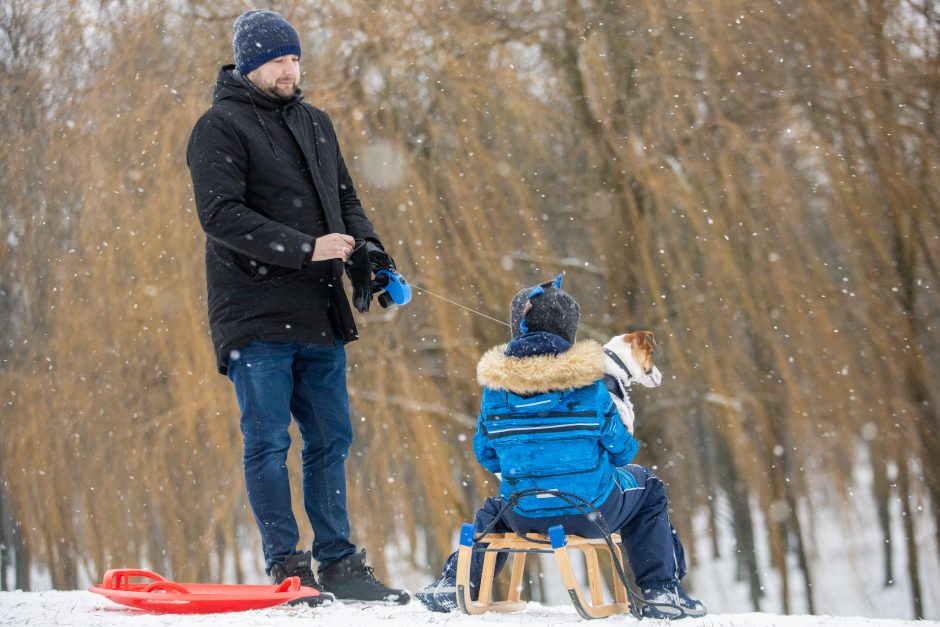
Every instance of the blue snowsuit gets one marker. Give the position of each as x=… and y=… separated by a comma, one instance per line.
x=547, y=421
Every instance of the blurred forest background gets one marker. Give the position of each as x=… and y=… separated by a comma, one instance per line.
x=756, y=182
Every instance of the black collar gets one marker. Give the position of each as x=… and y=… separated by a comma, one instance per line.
x=620, y=363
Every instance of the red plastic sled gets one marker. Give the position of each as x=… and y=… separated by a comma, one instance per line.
x=162, y=595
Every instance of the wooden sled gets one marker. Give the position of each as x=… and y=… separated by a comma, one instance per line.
x=520, y=548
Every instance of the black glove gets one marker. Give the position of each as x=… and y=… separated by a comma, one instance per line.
x=359, y=271
x=365, y=260
x=380, y=259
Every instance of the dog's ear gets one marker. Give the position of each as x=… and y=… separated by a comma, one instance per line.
x=644, y=340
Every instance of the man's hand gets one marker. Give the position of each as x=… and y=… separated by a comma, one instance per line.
x=359, y=270
x=333, y=246
x=380, y=259
x=366, y=259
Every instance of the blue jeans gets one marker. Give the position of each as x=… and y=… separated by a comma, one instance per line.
x=639, y=512
x=274, y=380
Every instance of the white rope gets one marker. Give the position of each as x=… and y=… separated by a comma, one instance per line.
x=421, y=289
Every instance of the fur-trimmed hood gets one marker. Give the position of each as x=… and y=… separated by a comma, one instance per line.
x=581, y=365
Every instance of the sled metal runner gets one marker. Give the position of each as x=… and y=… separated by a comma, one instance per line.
x=520, y=547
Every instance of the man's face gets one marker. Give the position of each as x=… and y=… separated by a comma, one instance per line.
x=278, y=77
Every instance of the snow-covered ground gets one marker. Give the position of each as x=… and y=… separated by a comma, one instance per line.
x=84, y=609
x=843, y=548
x=847, y=584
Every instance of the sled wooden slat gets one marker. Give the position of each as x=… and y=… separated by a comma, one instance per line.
x=520, y=548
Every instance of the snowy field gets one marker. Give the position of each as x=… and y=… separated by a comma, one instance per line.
x=84, y=609
x=848, y=586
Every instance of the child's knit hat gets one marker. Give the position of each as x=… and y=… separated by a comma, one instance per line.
x=545, y=307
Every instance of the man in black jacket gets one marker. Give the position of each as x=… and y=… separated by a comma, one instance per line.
x=282, y=219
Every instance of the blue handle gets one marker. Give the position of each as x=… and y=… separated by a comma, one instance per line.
x=557, y=535
x=466, y=534
x=395, y=285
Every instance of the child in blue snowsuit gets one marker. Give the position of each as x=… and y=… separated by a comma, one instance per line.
x=547, y=422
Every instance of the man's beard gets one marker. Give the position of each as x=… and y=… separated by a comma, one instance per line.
x=282, y=90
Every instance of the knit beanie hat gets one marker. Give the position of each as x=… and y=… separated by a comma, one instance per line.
x=261, y=36
x=545, y=307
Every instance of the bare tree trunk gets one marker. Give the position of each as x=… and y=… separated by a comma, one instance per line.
x=711, y=468
x=236, y=554
x=742, y=523
x=625, y=189
x=5, y=539
x=21, y=557
x=882, y=493
x=910, y=539
x=778, y=555
x=801, y=551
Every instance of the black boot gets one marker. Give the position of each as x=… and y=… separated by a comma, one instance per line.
x=299, y=566
x=350, y=579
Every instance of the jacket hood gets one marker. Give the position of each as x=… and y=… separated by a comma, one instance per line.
x=581, y=365
x=230, y=85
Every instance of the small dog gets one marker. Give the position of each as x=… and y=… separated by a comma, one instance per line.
x=629, y=360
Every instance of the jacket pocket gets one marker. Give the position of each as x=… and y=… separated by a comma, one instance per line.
x=549, y=457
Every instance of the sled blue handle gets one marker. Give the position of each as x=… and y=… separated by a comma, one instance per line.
x=466, y=534
x=395, y=286
x=557, y=535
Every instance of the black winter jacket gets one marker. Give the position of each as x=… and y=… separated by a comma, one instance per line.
x=268, y=179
